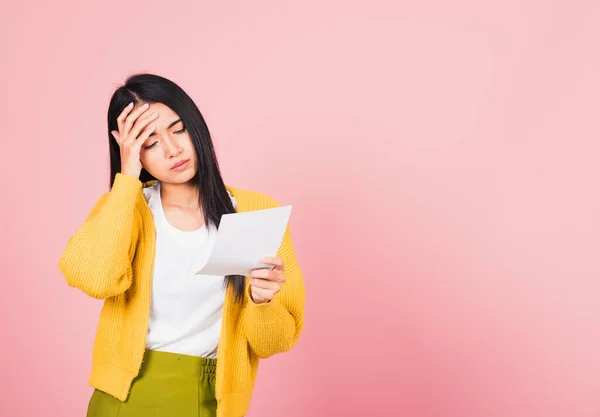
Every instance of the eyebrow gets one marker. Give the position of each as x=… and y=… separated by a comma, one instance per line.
x=168, y=127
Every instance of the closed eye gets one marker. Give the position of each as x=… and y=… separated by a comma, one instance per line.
x=150, y=146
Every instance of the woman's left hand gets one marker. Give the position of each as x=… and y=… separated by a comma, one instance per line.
x=265, y=283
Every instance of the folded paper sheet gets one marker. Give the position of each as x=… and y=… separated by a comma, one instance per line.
x=243, y=238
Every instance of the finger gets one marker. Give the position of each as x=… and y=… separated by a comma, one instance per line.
x=260, y=273
x=132, y=117
x=275, y=261
x=140, y=140
x=269, y=275
x=141, y=123
x=265, y=284
x=123, y=115
x=264, y=273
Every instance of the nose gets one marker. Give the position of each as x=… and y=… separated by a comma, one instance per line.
x=171, y=147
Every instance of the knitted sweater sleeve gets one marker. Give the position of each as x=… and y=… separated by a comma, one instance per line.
x=275, y=326
x=97, y=257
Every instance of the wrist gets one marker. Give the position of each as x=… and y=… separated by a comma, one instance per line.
x=131, y=173
x=255, y=301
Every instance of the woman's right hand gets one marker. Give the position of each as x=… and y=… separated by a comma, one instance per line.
x=133, y=132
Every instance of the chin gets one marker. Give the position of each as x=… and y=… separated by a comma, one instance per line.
x=179, y=177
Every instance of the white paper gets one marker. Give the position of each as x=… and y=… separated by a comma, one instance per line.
x=243, y=238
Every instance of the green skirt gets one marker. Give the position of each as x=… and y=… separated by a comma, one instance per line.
x=169, y=384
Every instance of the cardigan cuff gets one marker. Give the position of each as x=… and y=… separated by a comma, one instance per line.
x=269, y=312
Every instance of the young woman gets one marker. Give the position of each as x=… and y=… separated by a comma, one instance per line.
x=168, y=342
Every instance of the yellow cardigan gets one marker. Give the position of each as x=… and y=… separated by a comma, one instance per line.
x=111, y=257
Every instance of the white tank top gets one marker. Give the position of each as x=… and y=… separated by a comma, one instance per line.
x=186, y=309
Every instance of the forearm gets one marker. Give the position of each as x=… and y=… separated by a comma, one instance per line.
x=271, y=328
x=275, y=326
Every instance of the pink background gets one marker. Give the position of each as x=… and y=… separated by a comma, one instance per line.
x=441, y=157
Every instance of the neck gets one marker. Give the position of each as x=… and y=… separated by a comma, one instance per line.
x=180, y=195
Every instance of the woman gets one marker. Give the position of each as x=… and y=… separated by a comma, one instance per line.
x=168, y=342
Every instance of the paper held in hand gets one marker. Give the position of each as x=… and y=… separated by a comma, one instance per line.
x=244, y=238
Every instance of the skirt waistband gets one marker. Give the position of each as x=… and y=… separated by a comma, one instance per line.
x=157, y=362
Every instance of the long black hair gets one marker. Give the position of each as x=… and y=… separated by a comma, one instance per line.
x=213, y=195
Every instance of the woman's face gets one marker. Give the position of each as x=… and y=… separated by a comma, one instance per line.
x=167, y=147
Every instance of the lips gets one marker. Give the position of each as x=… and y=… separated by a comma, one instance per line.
x=180, y=163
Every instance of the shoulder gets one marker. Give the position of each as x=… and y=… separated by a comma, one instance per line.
x=252, y=200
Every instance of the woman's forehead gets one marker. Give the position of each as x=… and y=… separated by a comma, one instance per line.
x=166, y=116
